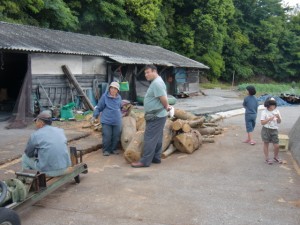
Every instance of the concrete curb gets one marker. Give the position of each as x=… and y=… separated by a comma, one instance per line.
x=235, y=112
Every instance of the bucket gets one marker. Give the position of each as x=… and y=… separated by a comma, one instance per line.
x=124, y=86
x=66, y=111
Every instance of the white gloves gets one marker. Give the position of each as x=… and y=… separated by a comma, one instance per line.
x=171, y=112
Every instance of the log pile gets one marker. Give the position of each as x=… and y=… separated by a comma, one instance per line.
x=185, y=133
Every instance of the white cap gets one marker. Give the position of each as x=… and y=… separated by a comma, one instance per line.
x=115, y=85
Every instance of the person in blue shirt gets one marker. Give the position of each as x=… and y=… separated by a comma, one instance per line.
x=46, y=150
x=109, y=105
x=250, y=104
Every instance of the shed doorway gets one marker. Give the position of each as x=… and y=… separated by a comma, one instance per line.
x=13, y=68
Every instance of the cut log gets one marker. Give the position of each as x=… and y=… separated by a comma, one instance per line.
x=177, y=124
x=208, y=140
x=186, y=128
x=134, y=150
x=208, y=136
x=210, y=124
x=98, y=127
x=128, y=131
x=207, y=130
x=188, y=142
x=168, y=151
x=186, y=125
x=214, y=118
x=197, y=122
x=218, y=132
x=167, y=134
x=132, y=114
x=184, y=115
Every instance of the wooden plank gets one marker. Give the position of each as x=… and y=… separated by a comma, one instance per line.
x=73, y=80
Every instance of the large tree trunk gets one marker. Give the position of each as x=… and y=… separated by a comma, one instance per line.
x=128, y=130
x=188, y=142
x=167, y=134
x=140, y=123
x=134, y=151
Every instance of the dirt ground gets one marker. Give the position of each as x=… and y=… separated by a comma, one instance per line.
x=226, y=182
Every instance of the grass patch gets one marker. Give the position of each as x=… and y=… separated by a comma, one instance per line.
x=275, y=89
x=214, y=85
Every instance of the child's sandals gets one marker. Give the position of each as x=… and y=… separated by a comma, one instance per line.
x=252, y=142
x=269, y=161
x=278, y=160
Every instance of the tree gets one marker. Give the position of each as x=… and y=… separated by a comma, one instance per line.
x=20, y=11
x=103, y=17
x=46, y=13
x=57, y=15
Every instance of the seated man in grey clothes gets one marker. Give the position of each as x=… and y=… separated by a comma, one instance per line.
x=46, y=150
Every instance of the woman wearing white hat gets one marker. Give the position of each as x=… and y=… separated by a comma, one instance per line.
x=109, y=105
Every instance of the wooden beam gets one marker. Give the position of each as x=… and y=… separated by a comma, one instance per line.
x=75, y=83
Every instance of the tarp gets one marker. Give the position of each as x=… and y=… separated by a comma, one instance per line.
x=279, y=101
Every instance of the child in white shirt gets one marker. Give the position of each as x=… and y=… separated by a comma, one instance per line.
x=270, y=118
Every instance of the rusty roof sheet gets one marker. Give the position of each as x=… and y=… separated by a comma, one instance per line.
x=16, y=37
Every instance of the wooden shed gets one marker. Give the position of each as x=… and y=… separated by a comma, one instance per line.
x=39, y=54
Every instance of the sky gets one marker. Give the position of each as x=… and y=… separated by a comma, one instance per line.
x=292, y=2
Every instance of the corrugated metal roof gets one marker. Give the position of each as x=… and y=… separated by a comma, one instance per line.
x=25, y=38
x=130, y=60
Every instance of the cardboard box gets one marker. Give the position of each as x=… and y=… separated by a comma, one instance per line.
x=283, y=142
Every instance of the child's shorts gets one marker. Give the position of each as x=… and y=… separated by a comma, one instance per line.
x=269, y=135
x=250, y=120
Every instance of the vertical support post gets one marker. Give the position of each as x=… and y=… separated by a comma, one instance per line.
x=73, y=155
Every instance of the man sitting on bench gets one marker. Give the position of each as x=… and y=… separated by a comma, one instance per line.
x=46, y=150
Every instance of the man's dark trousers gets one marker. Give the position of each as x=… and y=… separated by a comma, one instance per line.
x=153, y=140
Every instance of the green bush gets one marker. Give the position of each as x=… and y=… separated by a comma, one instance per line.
x=275, y=89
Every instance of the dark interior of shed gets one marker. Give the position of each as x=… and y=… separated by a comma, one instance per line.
x=13, y=67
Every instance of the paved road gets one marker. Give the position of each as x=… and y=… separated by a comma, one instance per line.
x=214, y=100
x=222, y=183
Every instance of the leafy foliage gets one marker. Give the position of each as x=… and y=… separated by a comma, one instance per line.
x=247, y=39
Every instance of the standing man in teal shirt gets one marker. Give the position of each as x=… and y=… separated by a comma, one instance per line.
x=156, y=107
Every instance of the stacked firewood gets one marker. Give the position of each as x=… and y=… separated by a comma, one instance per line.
x=185, y=133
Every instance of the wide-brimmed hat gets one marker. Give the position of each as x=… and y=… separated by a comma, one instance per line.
x=44, y=115
x=115, y=85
